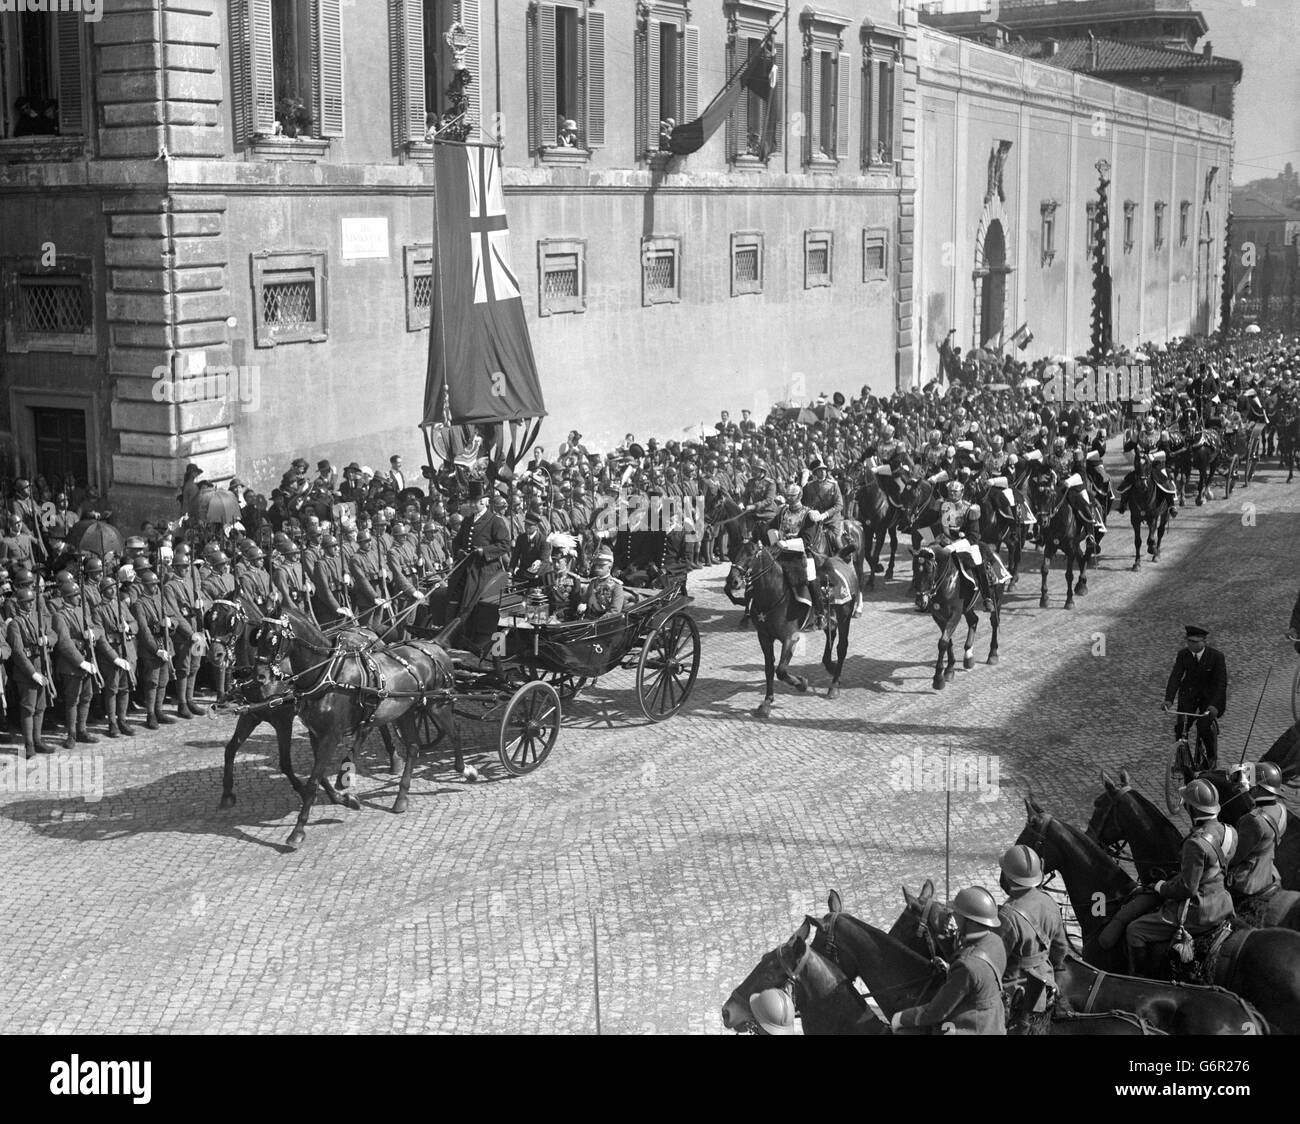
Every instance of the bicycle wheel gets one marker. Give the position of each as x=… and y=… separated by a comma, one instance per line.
x=1295, y=697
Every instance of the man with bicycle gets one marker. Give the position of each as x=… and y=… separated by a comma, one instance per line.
x=1200, y=683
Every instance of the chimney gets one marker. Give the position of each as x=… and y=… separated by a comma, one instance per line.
x=1050, y=47
x=1208, y=50
x=1091, y=61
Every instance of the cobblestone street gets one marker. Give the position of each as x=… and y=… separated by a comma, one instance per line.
x=688, y=848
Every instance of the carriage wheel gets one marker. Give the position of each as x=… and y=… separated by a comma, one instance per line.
x=669, y=663
x=1230, y=479
x=529, y=727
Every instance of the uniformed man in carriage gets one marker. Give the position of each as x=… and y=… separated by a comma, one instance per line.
x=795, y=527
x=289, y=578
x=1033, y=934
x=562, y=586
x=483, y=544
x=959, y=526
x=604, y=595
x=1253, y=871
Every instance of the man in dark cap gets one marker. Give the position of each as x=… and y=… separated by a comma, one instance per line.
x=483, y=545
x=1199, y=683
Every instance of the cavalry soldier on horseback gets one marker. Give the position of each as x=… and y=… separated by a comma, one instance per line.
x=1253, y=870
x=996, y=460
x=154, y=628
x=1145, y=442
x=935, y=456
x=823, y=496
x=794, y=527
x=185, y=604
x=759, y=499
x=604, y=594
x=1200, y=682
x=218, y=584
x=116, y=624
x=1069, y=468
x=75, y=650
x=1207, y=852
x=959, y=521
x=1033, y=934
x=970, y=1002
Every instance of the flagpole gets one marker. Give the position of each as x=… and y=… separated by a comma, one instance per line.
x=767, y=39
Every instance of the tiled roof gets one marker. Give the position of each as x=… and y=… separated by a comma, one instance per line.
x=1116, y=56
x=1253, y=207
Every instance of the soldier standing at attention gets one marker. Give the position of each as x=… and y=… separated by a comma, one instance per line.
x=153, y=628
x=116, y=622
x=1199, y=682
x=30, y=635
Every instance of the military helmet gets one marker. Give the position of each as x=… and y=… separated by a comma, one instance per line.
x=1201, y=796
x=26, y=596
x=23, y=576
x=431, y=527
x=135, y=542
x=141, y=563
x=181, y=555
x=1268, y=777
x=956, y=490
x=220, y=558
x=327, y=541
x=1022, y=866
x=254, y=553
x=108, y=585
x=976, y=904
x=773, y=1010
x=65, y=583
x=364, y=537
x=148, y=579
x=93, y=564
x=14, y=519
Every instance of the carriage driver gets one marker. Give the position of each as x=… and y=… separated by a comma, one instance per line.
x=960, y=523
x=793, y=527
x=604, y=595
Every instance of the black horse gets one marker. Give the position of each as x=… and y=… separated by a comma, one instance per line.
x=1060, y=532
x=1149, y=503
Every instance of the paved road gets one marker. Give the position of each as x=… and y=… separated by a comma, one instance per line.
x=695, y=846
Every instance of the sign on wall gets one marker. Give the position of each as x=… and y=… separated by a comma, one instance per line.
x=363, y=236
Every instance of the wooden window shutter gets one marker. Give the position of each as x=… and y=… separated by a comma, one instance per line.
x=406, y=55
x=329, y=67
x=546, y=124
x=691, y=75
x=653, y=65
x=252, y=68
x=896, y=141
x=641, y=82
x=867, y=104
x=531, y=78
x=594, y=83
x=843, y=72
x=813, y=100
x=776, y=108
x=72, y=110
x=737, y=118
x=469, y=16
x=241, y=84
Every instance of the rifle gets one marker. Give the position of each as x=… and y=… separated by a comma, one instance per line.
x=45, y=653
x=96, y=676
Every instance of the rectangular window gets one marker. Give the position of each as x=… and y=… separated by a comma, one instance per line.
x=661, y=276
x=826, y=137
x=1130, y=211
x=1184, y=222
x=561, y=276
x=746, y=263
x=1047, y=232
x=287, y=68
x=41, y=75
x=875, y=254
x=826, y=89
x=49, y=309
x=817, y=258
x=1159, y=227
x=289, y=298
x=882, y=54
x=566, y=77
x=420, y=67
x=418, y=262
x=667, y=73
x=754, y=127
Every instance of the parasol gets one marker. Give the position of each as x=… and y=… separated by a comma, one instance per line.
x=1252, y=329
x=95, y=537
x=214, y=505
x=1029, y=384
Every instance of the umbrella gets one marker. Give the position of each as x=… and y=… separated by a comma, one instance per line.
x=999, y=386
x=1029, y=384
x=1252, y=329
x=1139, y=357
x=95, y=537
x=214, y=505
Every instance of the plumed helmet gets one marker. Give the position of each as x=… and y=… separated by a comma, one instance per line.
x=955, y=490
x=1022, y=866
x=1201, y=796
x=976, y=904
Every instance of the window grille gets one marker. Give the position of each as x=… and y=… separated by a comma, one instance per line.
x=53, y=305
x=289, y=304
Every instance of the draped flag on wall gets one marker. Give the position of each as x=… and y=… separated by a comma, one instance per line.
x=481, y=365
x=758, y=74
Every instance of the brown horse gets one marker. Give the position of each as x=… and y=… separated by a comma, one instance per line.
x=341, y=693
x=939, y=578
x=757, y=582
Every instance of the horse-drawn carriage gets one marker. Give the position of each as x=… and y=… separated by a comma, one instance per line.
x=517, y=668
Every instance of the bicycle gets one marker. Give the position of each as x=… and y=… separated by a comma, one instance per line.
x=1186, y=761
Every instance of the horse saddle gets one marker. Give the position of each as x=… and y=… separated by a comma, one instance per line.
x=1205, y=957
x=1003, y=502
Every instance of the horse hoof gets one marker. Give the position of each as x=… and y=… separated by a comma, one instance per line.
x=352, y=803
x=745, y=622
x=227, y=802
x=877, y=568
x=949, y=675
x=1081, y=590
x=763, y=711
x=889, y=574
x=801, y=685
x=993, y=657
x=1070, y=604
x=400, y=805
x=296, y=838
x=1042, y=602
x=968, y=663
x=834, y=692
x=1136, y=567
x=939, y=684
x=469, y=774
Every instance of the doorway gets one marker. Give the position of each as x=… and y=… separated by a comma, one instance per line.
x=993, y=291
x=59, y=442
